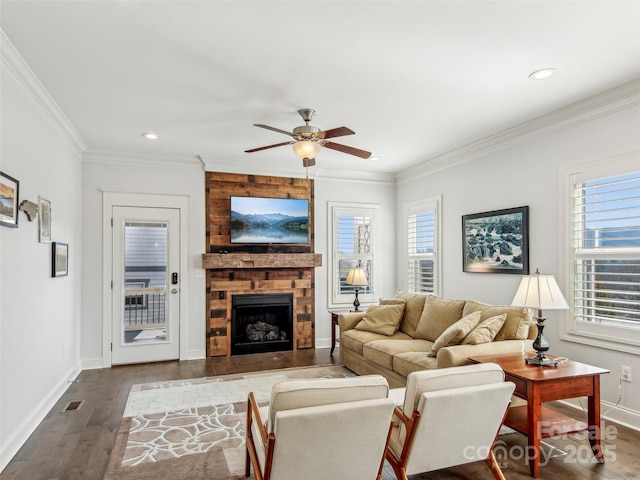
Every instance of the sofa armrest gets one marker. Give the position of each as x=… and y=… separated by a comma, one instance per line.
x=456, y=355
x=348, y=321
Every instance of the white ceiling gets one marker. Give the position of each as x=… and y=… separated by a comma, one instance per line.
x=414, y=80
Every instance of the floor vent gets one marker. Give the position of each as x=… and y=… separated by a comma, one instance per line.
x=71, y=406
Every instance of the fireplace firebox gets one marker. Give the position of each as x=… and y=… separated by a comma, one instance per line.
x=261, y=323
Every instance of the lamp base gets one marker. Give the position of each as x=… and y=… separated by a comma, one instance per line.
x=540, y=345
x=541, y=361
x=356, y=303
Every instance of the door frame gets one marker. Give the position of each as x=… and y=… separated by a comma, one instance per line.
x=148, y=200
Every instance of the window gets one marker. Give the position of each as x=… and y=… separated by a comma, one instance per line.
x=422, y=247
x=352, y=242
x=604, y=279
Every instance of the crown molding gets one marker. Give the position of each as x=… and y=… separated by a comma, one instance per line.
x=284, y=170
x=16, y=69
x=605, y=103
x=142, y=159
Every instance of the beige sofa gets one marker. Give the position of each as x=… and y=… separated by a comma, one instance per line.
x=417, y=332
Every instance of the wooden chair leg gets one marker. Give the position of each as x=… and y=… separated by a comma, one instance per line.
x=494, y=466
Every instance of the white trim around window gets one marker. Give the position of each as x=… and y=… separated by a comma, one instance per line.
x=619, y=336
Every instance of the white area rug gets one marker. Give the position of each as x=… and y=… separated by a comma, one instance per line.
x=194, y=425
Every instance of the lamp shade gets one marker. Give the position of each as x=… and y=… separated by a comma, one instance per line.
x=357, y=277
x=306, y=149
x=540, y=292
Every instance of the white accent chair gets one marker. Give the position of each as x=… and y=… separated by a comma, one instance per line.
x=450, y=416
x=322, y=428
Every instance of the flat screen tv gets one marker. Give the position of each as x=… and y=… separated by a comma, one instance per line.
x=269, y=220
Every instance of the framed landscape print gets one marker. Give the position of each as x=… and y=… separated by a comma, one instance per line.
x=496, y=242
x=59, y=259
x=44, y=220
x=9, y=200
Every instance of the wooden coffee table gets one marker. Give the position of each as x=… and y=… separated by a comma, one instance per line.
x=544, y=384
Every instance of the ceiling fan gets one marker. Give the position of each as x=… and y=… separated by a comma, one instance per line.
x=307, y=140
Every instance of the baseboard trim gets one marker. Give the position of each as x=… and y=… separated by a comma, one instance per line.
x=12, y=444
x=92, y=363
x=610, y=411
x=197, y=354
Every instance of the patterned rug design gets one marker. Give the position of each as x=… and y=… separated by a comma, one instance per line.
x=194, y=428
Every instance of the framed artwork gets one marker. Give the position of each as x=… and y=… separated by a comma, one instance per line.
x=496, y=242
x=9, y=200
x=59, y=259
x=44, y=220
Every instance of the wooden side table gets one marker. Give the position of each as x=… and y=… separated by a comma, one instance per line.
x=544, y=384
x=334, y=323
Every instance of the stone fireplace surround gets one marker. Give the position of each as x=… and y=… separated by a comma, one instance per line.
x=234, y=269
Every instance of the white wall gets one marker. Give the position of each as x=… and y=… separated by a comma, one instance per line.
x=528, y=173
x=367, y=192
x=110, y=172
x=39, y=315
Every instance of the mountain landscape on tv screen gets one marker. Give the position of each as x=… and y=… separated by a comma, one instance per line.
x=268, y=228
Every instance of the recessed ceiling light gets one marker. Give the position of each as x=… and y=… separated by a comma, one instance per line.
x=150, y=136
x=374, y=158
x=542, y=74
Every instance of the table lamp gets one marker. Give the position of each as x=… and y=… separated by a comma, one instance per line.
x=358, y=278
x=540, y=292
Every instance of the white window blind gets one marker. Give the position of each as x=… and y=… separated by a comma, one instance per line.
x=606, y=250
x=422, y=249
x=352, y=243
x=421, y=252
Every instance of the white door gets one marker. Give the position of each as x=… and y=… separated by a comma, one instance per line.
x=146, y=284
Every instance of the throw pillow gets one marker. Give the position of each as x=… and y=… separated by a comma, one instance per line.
x=516, y=325
x=438, y=315
x=392, y=301
x=455, y=333
x=383, y=319
x=412, y=311
x=486, y=330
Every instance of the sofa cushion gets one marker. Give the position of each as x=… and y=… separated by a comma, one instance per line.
x=383, y=319
x=407, y=362
x=516, y=325
x=485, y=331
x=355, y=340
x=438, y=315
x=382, y=351
x=412, y=311
x=455, y=333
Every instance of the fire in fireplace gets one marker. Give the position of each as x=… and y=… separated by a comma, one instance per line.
x=261, y=323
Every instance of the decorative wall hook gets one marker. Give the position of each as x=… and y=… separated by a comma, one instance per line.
x=29, y=208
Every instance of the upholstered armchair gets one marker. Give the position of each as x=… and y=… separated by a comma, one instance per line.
x=448, y=417
x=319, y=429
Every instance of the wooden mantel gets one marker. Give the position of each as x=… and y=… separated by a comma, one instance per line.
x=261, y=260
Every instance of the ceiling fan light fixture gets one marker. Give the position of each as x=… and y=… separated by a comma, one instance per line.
x=306, y=149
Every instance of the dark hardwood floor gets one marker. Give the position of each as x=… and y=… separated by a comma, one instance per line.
x=76, y=444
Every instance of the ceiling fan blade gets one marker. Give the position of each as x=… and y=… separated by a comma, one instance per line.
x=346, y=149
x=335, y=132
x=273, y=128
x=267, y=147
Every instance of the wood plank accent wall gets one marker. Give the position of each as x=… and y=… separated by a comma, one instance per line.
x=243, y=269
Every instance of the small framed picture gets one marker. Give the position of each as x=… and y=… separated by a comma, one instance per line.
x=496, y=242
x=9, y=200
x=44, y=220
x=59, y=259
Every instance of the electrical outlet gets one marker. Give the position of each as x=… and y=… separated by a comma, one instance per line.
x=626, y=374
